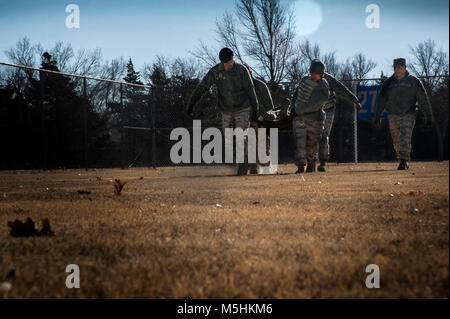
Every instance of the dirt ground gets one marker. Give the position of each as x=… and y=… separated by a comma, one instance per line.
x=199, y=232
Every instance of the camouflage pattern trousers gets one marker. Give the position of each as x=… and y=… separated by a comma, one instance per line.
x=324, y=144
x=401, y=127
x=307, y=134
x=236, y=119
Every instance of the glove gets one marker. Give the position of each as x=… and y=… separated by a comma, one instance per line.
x=270, y=116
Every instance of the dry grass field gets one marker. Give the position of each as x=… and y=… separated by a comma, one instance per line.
x=198, y=232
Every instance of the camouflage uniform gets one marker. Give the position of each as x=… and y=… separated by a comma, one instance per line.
x=236, y=97
x=336, y=89
x=401, y=98
x=237, y=119
x=235, y=88
x=401, y=128
x=308, y=118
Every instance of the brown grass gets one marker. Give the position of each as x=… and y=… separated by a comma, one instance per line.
x=282, y=236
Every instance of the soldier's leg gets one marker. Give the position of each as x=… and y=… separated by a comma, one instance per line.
x=299, y=135
x=253, y=167
x=394, y=128
x=406, y=130
x=314, y=131
x=242, y=120
x=227, y=122
x=324, y=144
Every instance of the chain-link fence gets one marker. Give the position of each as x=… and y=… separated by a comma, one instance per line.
x=51, y=120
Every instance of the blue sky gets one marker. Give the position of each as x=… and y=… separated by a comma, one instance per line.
x=143, y=29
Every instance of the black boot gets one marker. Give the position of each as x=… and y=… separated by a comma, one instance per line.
x=311, y=168
x=253, y=168
x=403, y=165
x=321, y=167
x=242, y=169
x=300, y=169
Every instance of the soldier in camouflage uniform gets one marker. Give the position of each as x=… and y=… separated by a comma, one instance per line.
x=308, y=116
x=401, y=95
x=340, y=90
x=236, y=97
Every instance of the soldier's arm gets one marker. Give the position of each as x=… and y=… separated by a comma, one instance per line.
x=381, y=102
x=204, y=85
x=423, y=101
x=318, y=97
x=293, y=100
x=341, y=90
x=267, y=96
x=250, y=87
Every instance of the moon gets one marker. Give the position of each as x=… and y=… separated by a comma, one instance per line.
x=308, y=16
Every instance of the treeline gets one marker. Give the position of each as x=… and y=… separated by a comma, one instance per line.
x=37, y=107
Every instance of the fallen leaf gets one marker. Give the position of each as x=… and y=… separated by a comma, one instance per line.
x=27, y=229
x=46, y=229
x=118, y=186
x=20, y=229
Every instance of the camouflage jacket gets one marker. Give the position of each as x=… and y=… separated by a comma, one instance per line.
x=339, y=89
x=235, y=89
x=402, y=96
x=308, y=98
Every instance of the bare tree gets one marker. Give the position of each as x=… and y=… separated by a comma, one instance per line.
x=361, y=67
x=345, y=73
x=305, y=52
x=63, y=54
x=114, y=70
x=331, y=63
x=297, y=67
x=23, y=53
x=260, y=32
x=205, y=55
x=309, y=51
x=429, y=61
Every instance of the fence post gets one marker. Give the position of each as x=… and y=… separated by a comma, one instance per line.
x=122, y=122
x=85, y=125
x=355, y=127
x=152, y=112
x=43, y=125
